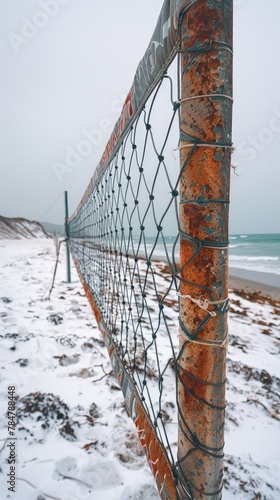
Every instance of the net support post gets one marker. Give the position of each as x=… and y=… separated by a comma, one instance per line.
x=205, y=159
x=68, y=268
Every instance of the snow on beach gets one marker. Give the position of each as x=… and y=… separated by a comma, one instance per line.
x=74, y=438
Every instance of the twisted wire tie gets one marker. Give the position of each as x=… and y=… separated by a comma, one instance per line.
x=225, y=96
x=205, y=144
x=222, y=345
x=215, y=247
x=204, y=303
x=208, y=49
x=202, y=144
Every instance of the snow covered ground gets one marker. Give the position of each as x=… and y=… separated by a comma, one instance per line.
x=74, y=438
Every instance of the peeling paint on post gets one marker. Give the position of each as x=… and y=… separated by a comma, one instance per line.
x=206, y=61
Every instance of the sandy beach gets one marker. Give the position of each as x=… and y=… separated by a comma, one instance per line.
x=253, y=281
x=266, y=283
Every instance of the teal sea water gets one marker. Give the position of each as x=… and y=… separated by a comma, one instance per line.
x=251, y=252
x=255, y=252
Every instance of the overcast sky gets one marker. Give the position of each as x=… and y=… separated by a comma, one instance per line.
x=70, y=76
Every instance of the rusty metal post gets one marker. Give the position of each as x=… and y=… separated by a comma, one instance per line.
x=205, y=152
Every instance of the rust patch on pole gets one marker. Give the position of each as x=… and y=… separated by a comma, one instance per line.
x=205, y=152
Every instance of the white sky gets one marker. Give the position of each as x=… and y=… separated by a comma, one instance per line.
x=71, y=75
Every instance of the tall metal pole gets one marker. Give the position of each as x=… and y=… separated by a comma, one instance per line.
x=67, y=237
x=205, y=152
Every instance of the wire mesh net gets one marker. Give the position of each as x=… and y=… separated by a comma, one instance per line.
x=125, y=240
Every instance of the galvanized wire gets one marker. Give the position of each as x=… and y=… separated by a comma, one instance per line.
x=115, y=237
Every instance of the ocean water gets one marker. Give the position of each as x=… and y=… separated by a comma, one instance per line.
x=255, y=252
x=252, y=252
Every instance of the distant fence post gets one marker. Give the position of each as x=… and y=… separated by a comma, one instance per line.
x=205, y=152
x=67, y=238
x=56, y=243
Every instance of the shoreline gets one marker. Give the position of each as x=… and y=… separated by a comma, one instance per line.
x=253, y=282
x=264, y=278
